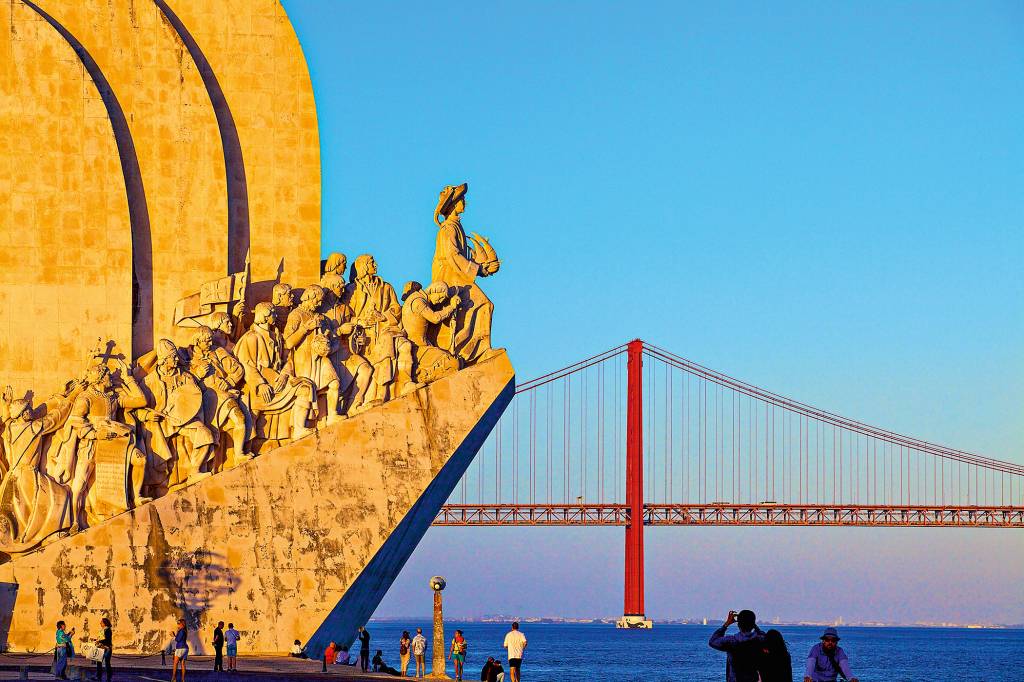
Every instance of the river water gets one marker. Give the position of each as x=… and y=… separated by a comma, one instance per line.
x=574, y=653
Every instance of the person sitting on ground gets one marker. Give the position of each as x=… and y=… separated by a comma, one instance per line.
x=487, y=668
x=827, y=660
x=330, y=653
x=297, y=650
x=742, y=650
x=379, y=666
x=344, y=657
x=775, y=664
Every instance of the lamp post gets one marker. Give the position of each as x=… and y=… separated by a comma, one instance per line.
x=437, y=672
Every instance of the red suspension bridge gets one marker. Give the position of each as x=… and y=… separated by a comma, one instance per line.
x=638, y=436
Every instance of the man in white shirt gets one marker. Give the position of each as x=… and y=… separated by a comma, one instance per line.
x=515, y=642
x=419, y=648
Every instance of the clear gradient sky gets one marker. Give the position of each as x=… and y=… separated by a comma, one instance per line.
x=823, y=199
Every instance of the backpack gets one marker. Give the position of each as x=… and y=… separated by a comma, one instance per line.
x=403, y=647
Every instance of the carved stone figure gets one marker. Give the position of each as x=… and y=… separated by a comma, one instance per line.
x=283, y=298
x=271, y=390
x=354, y=370
x=99, y=447
x=173, y=415
x=33, y=505
x=334, y=265
x=459, y=264
x=376, y=309
x=421, y=321
x=306, y=325
x=221, y=375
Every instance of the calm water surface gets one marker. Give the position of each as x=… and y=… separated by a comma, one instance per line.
x=574, y=653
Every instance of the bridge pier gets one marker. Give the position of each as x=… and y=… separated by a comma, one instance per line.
x=633, y=609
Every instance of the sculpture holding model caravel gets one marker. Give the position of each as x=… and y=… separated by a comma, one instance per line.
x=236, y=378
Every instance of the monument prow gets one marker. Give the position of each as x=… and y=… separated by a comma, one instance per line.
x=300, y=543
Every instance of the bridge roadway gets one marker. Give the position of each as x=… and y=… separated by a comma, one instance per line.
x=765, y=514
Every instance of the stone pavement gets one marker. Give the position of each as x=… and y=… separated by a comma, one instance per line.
x=149, y=668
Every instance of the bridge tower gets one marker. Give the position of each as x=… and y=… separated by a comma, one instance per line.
x=633, y=610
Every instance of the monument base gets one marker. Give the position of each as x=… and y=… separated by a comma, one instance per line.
x=299, y=543
x=634, y=622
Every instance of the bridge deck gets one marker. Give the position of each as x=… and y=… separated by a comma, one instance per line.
x=731, y=515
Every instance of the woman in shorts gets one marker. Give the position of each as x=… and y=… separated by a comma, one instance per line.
x=231, y=638
x=458, y=653
x=180, y=649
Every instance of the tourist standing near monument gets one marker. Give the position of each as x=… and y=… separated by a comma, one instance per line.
x=515, y=642
x=231, y=638
x=364, y=649
x=180, y=649
x=457, y=652
x=827, y=660
x=403, y=652
x=61, y=651
x=106, y=642
x=218, y=647
x=419, y=647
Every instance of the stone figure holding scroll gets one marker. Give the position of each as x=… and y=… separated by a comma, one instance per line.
x=459, y=264
x=423, y=312
x=278, y=400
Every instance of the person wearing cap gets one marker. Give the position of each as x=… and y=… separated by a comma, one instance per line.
x=742, y=649
x=827, y=660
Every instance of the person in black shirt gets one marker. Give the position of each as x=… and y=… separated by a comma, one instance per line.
x=775, y=664
x=364, y=649
x=218, y=646
x=487, y=668
x=107, y=642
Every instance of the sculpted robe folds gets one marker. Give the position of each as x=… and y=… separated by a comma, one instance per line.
x=453, y=264
x=261, y=352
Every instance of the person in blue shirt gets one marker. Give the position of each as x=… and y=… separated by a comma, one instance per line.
x=61, y=651
x=743, y=649
x=828, y=660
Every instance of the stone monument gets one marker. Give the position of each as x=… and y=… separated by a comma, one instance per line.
x=231, y=429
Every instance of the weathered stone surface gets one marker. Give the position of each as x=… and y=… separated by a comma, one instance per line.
x=131, y=139
x=274, y=544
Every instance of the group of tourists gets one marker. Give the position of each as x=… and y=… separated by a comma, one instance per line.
x=756, y=656
x=413, y=649
x=64, y=649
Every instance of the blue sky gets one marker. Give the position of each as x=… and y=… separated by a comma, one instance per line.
x=823, y=199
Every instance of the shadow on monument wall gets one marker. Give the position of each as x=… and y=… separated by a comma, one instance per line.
x=183, y=584
x=8, y=597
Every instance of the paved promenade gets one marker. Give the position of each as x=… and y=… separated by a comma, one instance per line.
x=137, y=668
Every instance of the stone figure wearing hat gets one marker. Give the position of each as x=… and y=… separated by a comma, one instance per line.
x=423, y=312
x=459, y=263
x=278, y=400
x=376, y=309
x=173, y=416
x=354, y=371
x=33, y=505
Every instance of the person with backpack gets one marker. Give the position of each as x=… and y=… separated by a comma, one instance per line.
x=458, y=653
x=403, y=652
x=743, y=650
x=775, y=665
x=827, y=660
